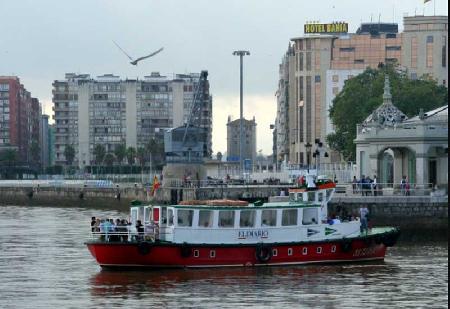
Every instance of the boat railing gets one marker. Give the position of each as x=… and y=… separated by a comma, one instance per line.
x=149, y=234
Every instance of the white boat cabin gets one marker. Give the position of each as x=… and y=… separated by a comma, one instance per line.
x=302, y=218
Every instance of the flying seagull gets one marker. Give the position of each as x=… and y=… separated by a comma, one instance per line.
x=135, y=61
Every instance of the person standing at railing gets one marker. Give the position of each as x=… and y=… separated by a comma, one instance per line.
x=364, y=214
x=403, y=185
x=374, y=185
x=354, y=185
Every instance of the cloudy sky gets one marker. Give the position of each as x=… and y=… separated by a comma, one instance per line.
x=42, y=40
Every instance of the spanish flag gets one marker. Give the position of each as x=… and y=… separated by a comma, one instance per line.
x=155, y=185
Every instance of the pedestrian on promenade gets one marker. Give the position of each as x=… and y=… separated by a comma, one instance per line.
x=354, y=185
x=403, y=185
x=374, y=185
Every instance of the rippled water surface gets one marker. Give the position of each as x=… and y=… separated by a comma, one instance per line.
x=44, y=264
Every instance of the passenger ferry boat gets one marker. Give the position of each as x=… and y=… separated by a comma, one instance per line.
x=219, y=233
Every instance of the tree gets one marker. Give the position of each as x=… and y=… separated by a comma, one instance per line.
x=156, y=150
x=131, y=154
x=99, y=153
x=35, y=152
x=120, y=152
x=362, y=94
x=69, y=154
x=109, y=159
x=141, y=155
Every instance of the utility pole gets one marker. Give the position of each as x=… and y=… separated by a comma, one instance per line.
x=241, y=54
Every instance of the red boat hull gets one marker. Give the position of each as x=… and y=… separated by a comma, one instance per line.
x=162, y=255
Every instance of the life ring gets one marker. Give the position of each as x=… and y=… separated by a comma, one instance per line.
x=185, y=250
x=263, y=253
x=144, y=248
x=346, y=246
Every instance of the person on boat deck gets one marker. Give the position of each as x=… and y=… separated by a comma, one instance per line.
x=139, y=228
x=364, y=213
x=264, y=223
x=93, y=221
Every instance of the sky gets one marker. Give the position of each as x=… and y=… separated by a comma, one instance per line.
x=42, y=40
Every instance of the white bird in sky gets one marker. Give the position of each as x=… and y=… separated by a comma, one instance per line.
x=135, y=61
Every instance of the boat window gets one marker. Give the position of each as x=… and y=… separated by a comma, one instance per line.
x=141, y=214
x=333, y=248
x=311, y=196
x=185, y=217
x=319, y=250
x=247, y=218
x=292, y=197
x=310, y=216
x=212, y=253
x=170, y=216
x=163, y=215
x=289, y=251
x=320, y=196
x=196, y=253
x=289, y=217
x=305, y=251
x=134, y=216
x=147, y=214
x=205, y=218
x=274, y=252
x=226, y=218
x=269, y=217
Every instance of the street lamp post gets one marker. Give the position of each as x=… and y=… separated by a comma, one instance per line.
x=308, y=153
x=241, y=54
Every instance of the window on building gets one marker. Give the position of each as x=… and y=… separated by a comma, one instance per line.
x=289, y=217
x=308, y=44
x=308, y=61
x=247, y=218
x=429, y=39
x=335, y=78
x=300, y=62
x=444, y=51
x=358, y=61
x=335, y=90
x=269, y=217
x=317, y=78
x=393, y=47
x=347, y=49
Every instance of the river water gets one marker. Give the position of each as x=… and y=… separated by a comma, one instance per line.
x=44, y=264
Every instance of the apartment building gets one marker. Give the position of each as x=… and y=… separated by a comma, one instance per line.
x=110, y=111
x=19, y=120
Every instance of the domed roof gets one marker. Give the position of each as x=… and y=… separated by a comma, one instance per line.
x=387, y=114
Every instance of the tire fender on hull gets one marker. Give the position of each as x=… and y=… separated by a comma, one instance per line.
x=346, y=245
x=263, y=253
x=144, y=248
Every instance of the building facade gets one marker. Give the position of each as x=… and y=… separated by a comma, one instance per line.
x=425, y=47
x=20, y=116
x=44, y=132
x=109, y=111
x=249, y=140
x=321, y=63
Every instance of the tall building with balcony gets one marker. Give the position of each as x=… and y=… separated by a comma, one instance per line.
x=281, y=130
x=249, y=140
x=109, y=111
x=19, y=120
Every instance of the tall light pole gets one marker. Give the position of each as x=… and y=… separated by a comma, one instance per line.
x=241, y=54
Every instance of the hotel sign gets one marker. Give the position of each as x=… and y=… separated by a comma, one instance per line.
x=326, y=28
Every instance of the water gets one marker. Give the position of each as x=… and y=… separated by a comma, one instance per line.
x=44, y=264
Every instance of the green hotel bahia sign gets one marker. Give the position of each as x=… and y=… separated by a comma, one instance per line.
x=326, y=28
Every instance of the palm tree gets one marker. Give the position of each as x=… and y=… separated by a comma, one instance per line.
x=120, y=152
x=69, y=154
x=131, y=155
x=141, y=155
x=156, y=150
x=99, y=154
x=109, y=159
